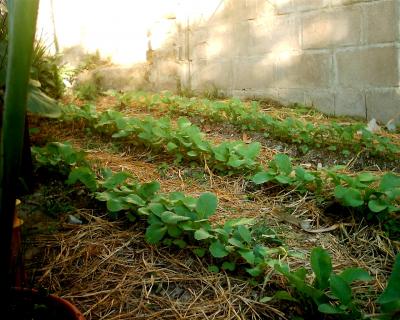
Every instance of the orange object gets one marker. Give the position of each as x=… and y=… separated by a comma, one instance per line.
x=17, y=268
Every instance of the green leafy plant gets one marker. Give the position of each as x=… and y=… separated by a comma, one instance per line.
x=44, y=75
x=330, y=292
x=45, y=69
x=61, y=156
x=88, y=90
x=186, y=143
x=250, y=117
x=122, y=194
x=389, y=300
x=179, y=220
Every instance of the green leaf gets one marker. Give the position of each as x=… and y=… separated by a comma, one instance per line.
x=245, y=234
x=183, y=210
x=304, y=175
x=200, y=252
x=283, y=295
x=279, y=295
x=239, y=222
x=322, y=266
x=171, y=146
x=378, y=205
x=192, y=154
x=147, y=190
x=283, y=179
x=255, y=272
x=213, y=269
x=84, y=175
x=217, y=249
x=116, y=179
x=350, y=197
x=190, y=202
x=329, y=309
x=156, y=208
x=390, y=298
x=228, y=265
x=247, y=255
x=355, y=274
x=236, y=242
x=366, y=177
x=340, y=289
x=180, y=243
x=262, y=177
x=184, y=123
x=155, y=232
x=202, y=234
x=283, y=163
x=172, y=218
x=135, y=199
x=174, y=231
x=116, y=204
x=235, y=163
x=206, y=204
x=266, y=299
x=389, y=181
x=39, y=103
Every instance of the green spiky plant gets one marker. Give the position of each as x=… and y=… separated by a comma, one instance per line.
x=22, y=25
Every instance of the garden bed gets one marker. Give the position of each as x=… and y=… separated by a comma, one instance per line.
x=108, y=270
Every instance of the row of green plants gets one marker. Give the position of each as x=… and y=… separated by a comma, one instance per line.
x=249, y=116
x=372, y=196
x=180, y=220
x=185, y=141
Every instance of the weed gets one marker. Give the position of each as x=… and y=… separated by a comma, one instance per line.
x=88, y=90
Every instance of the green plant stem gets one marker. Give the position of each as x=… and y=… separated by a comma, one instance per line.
x=22, y=25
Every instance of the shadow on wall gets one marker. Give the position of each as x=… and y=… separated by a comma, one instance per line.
x=266, y=48
x=342, y=59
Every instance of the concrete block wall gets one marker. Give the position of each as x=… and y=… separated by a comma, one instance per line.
x=341, y=56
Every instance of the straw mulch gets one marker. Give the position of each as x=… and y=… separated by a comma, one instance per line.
x=110, y=272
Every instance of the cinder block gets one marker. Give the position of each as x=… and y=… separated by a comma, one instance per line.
x=338, y=27
x=195, y=75
x=118, y=78
x=282, y=7
x=216, y=73
x=290, y=6
x=347, y=2
x=383, y=105
x=220, y=40
x=255, y=94
x=302, y=5
x=368, y=67
x=308, y=70
x=253, y=73
x=280, y=33
x=382, y=22
x=240, y=39
x=198, y=44
x=322, y=100
x=350, y=102
x=291, y=95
